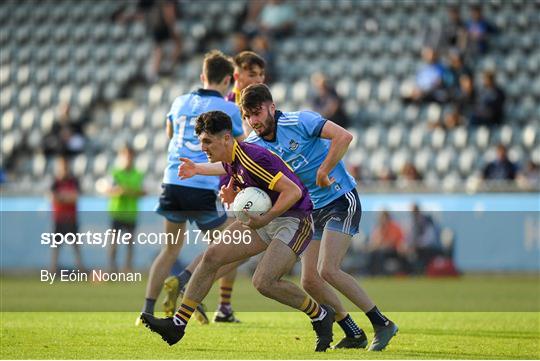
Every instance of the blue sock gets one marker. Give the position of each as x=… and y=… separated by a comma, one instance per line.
x=376, y=317
x=183, y=278
x=350, y=327
x=149, y=304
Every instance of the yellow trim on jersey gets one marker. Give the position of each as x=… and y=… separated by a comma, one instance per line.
x=277, y=155
x=266, y=177
x=234, y=147
x=274, y=181
x=253, y=167
x=237, y=95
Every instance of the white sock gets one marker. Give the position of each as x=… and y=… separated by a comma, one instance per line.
x=321, y=316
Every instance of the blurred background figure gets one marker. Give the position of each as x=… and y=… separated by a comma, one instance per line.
x=125, y=190
x=260, y=44
x=429, y=86
x=479, y=31
x=238, y=42
x=463, y=103
x=489, y=109
x=64, y=194
x=449, y=34
x=500, y=169
x=327, y=102
x=456, y=69
x=529, y=177
x=423, y=243
x=66, y=135
x=277, y=19
x=409, y=176
x=386, y=247
x=160, y=18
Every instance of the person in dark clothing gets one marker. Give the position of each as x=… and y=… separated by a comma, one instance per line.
x=501, y=168
x=327, y=102
x=489, y=109
x=478, y=32
x=64, y=194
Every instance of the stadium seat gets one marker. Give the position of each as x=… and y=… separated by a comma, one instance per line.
x=516, y=154
x=466, y=162
x=438, y=138
x=460, y=137
x=398, y=160
x=481, y=137
x=371, y=137
x=8, y=120
x=47, y=119
x=444, y=161
x=28, y=119
x=395, y=135
x=529, y=136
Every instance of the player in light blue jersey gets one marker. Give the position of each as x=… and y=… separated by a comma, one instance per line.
x=195, y=199
x=314, y=147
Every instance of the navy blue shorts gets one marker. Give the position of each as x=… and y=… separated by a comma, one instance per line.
x=342, y=215
x=180, y=204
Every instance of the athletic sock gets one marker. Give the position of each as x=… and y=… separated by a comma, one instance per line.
x=376, y=317
x=225, y=297
x=312, y=309
x=183, y=278
x=149, y=304
x=185, y=311
x=350, y=327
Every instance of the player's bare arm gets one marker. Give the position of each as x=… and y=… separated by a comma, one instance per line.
x=289, y=194
x=340, y=139
x=188, y=168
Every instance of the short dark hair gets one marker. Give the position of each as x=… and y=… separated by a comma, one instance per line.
x=217, y=66
x=213, y=123
x=252, y=98
x=248, y=59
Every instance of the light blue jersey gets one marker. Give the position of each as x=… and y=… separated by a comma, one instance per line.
x=298, y=143
x=185, y=143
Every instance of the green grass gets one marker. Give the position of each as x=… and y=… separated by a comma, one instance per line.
x=428, y=330
x=265, y=336
x=470, y=293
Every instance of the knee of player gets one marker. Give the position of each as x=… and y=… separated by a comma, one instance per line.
x=212, y=257
x=262, y=284
x=327, y=272
x=311, y=282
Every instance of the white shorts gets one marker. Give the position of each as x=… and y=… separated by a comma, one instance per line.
x=294, y=232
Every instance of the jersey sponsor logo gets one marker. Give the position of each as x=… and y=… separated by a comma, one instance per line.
x=293, y=145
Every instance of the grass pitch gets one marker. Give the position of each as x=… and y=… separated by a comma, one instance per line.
x=437, y=334
x=111, y=335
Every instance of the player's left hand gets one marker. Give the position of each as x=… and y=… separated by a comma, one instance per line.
x=255, y=221
x=323, y=180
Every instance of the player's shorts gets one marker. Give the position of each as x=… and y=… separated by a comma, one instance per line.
x=66, y=227
x=294, y=232
x=126, y=227
x=342, y=215
x=180, y=204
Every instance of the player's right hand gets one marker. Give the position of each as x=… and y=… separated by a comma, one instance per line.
x=228, y=193
x=187, y=168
